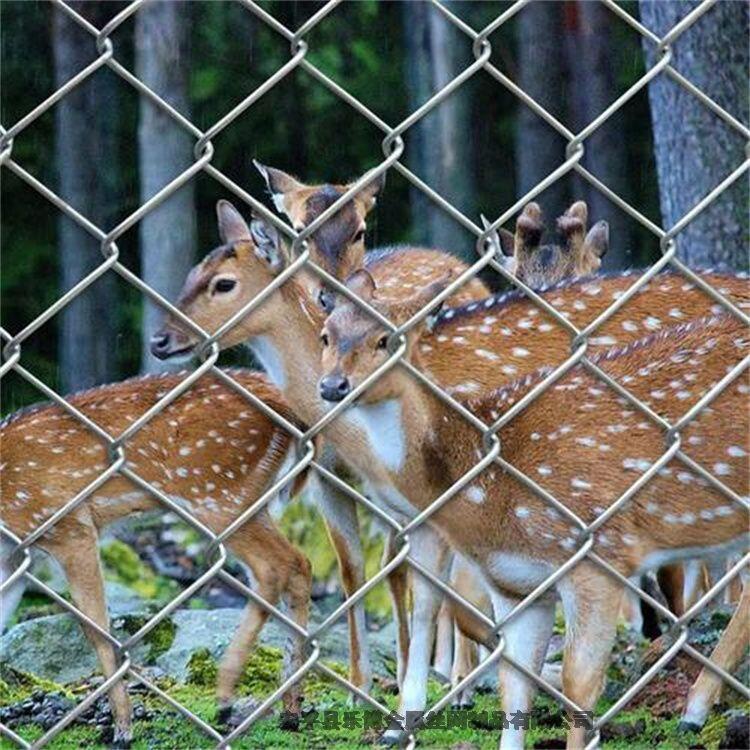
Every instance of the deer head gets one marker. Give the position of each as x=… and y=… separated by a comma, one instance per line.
x=225, y=280
x=539, y=265
x=338, y=246
x=354, y=344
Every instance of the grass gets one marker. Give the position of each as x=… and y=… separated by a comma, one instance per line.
x=168, y=730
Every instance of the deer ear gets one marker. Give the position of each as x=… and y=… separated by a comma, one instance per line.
x=369, y=194
x=267, y=243
x=232, y=227
x=279, y=184
x=423, y=298
x=503, y=239
x=362, y=284
x=598, y=238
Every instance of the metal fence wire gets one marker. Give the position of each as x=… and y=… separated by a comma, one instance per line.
x=488, y=256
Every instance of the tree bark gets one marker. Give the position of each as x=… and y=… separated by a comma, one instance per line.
x=694, y=149
x=165, y=150
x=86, y=156
x=539, y=149
x=438, y=146
x=592, y=89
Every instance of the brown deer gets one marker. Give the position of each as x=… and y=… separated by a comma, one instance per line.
x=293, y=349
x=586, y=458
x=210, y=451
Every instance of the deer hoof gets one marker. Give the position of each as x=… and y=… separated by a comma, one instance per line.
x=688, y=726
x=121, y=739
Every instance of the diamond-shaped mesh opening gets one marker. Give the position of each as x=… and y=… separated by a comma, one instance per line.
x=584, y=329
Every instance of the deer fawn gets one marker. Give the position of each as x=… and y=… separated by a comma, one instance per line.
x=371, y=444
x=584, y=445
x=209, y=450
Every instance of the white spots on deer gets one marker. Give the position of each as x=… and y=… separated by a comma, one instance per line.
x=459, y=340
x=468, y=387
x=721, y=469
x=685, y=477
x=587, y=442
x=735, y=451
x=519, y=351
x=522, y=511
x=185, y=450
x=535, y=436
x=724, y=510
x=182, y=472
x=629, y=326
x=636, y=464
x=580, y=484
x=545, y=327
x=707, y=515
x=475, y=494
x=652, y=323
x=603, y=340
x=568, y=543
x=486, y=354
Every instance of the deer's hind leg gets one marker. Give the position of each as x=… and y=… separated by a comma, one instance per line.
x=591, y=602
x=729, y=650
x=80, y=562
x=279, y=569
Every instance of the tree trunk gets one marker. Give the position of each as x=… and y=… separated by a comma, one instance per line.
x=168, y=233
x=592, y=89
x=438, y=146
x=86, y=155
x=694, y=149
x=539, y=149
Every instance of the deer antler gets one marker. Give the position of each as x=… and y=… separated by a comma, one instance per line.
x=529, y=229
x=572, y=225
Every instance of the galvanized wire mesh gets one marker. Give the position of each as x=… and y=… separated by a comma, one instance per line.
x=488, y=257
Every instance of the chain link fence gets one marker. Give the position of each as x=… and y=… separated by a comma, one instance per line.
x=488, y=257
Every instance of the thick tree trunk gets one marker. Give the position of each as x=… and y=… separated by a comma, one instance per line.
x=438, y=146
x=694, y=149
x=539, y=149
x=86, y=155
x=592, y=89
x=168, y=233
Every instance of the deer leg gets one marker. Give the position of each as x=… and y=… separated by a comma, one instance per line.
x=432, y=552
x=729, y=650
x=672, y=582
x=444, y=642
x=527, y=636
x=694, y=583
x=590, y=602
x=80, y=562
x=398, y=585
x=268, y=561
x=297, y=598
x=464, y=661
x=11, y=595
x=340, y=515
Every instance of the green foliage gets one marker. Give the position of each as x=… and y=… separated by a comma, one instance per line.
x=16, y=685
x=122, y=564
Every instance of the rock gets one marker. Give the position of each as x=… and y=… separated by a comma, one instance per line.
x=198, y=629
x=737, y=734
x=53, y=648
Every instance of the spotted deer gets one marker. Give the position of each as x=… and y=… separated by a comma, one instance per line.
x=209, y=451
x=585, y=445
x=371, y=445
x=399, y=270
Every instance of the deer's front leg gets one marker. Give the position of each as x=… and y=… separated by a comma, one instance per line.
x=431, y=551
x=527, y=636
x=591, y=602
x=340, y=514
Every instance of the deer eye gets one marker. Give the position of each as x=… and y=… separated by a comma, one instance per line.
x=326, y=300
x=324, y=339
x=223, y=286
x=383, y=342
x=359, y=236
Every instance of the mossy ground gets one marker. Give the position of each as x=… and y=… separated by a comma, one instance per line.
x=168, y=730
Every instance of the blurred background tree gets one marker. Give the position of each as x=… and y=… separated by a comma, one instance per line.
x=106, y=149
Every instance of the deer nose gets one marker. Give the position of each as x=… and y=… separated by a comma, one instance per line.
x=334, y=387
x=160, y=344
